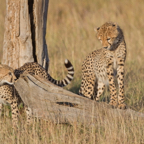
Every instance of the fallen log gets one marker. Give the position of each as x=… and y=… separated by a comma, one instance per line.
x=56, y=104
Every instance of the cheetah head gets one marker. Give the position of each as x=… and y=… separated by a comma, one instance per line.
x=6, y=75
x=110, y=35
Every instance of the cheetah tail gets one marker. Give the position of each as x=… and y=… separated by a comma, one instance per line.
x=69, y=77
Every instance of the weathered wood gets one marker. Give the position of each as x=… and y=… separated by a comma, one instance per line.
x=51, y=102
x=25, y=30
x=40, y=17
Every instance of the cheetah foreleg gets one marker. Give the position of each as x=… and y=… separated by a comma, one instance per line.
x=14, y=111
x=100, y=89
x=29, y=114
x=120, y=79
x=112, y=87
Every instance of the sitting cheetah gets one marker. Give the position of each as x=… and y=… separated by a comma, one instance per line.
x=8, y=93
x=100, y=67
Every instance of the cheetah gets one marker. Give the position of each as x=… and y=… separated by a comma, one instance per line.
x=7, y=96
x=34, y=68
x=103, y=65
x=8, y=93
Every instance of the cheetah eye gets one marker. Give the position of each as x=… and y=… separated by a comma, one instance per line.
x=10, y=73
x=108, y=39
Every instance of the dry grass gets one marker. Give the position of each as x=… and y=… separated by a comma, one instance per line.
x=70, y=34
x=107, y=130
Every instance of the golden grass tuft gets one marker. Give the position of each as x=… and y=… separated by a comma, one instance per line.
x=70, y=34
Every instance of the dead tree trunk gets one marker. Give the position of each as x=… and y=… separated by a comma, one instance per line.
x=55, y=104
x=25, y=29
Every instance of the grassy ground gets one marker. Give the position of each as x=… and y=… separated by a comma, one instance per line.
x=70, y=34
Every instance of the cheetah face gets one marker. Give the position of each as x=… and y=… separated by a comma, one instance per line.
x=6, y=75
x=108, y=34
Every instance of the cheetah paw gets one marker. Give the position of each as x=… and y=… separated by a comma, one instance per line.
x=113, y=104
x=122, y=106
x=97, y=99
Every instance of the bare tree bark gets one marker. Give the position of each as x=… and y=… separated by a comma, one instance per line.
x=25, y=29
x=55, y=104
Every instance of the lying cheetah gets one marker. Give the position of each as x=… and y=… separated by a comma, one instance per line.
x=8, y=93
x=100, y=67
x=34, y=68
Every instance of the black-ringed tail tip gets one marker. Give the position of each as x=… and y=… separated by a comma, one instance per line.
x=69, y=77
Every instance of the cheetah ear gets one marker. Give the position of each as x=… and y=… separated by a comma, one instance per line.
x=96, y=29
x=114, y=24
